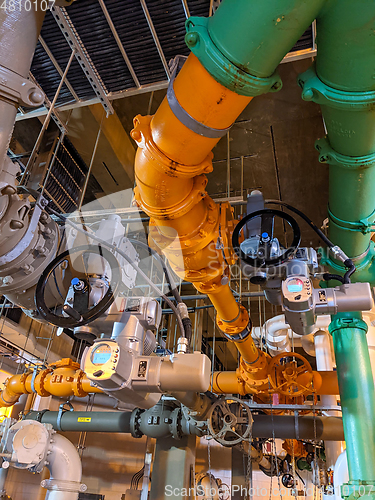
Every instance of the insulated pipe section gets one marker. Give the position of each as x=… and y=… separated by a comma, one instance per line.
x=65, y=467
x=62, y=379
x=284, y=427
x=174, y=153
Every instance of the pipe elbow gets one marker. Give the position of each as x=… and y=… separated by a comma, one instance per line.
x=14, y=388
x=64, y=464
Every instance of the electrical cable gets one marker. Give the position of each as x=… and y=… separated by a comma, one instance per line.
x=348, y=263
x=129, y=260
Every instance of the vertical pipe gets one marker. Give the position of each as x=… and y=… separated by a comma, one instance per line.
x=323, y=353
x=19, y=31
x=357, y=394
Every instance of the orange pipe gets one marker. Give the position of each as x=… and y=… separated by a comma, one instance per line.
x=325, y=383
x=62, y=379
x=170, y=167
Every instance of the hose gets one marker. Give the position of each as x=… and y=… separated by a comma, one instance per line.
x=348, y=263
x=129, y=260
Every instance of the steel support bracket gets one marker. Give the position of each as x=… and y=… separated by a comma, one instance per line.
x=65, y=24
x=19, y=90
x=313, y=89
x=220, y=67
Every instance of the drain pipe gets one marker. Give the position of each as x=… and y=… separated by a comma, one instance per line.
x=65, y=467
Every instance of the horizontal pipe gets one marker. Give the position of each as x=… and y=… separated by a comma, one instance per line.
x=228, y=382
x=88, y=421
x=306, y=427
x=283, y=427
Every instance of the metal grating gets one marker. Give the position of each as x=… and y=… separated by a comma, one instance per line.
x=65, y=178
x=127, y=43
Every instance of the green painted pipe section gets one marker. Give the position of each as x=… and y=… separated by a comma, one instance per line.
x=356, y=386
x=256, y=35
x=346, y=45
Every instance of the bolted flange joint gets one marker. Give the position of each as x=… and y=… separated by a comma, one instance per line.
x=220, y=67
x=355, y=490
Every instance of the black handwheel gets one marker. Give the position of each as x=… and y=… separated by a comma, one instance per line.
x=95, y=311
x=263, y=259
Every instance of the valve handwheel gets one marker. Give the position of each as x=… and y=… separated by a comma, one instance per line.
x=263, y=258
x=78, y=319
x=230, y=421
x=290, y=374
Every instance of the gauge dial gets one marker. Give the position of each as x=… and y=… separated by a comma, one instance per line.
x=101, y=354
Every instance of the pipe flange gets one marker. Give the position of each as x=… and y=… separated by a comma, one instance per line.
x=142, y=135
x=175, y=426
x=313, y=89
x=353, y=490
x=135, y=423
x=220, y=67
x=227, y=225
x=238, y=332
x=39, y=382
x=332, y=157
x=343, y=323
x=175, y=211
x=77, y=384
x=193, y=243
x=364, y=226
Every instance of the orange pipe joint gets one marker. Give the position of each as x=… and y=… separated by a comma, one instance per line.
x=62, y=379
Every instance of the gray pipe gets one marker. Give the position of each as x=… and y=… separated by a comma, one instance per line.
x=87, y=421
x=265, y=426
x=289, y=427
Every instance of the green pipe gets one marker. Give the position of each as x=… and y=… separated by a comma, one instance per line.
x=77, y=421
x=356, y=386
x=244, y=42
x=346, y=45
x=263, y=31
x=343, y=84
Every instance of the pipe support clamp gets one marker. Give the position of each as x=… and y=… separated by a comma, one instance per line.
x=314, y=89
x=220, y=67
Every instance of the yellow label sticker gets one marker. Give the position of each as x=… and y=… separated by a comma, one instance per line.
x=84, y=419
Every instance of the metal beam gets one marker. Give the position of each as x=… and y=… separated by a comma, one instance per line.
x=118, y=41
x=151, y=87
x=57, y=66
x=155, y=37
x=70, y=33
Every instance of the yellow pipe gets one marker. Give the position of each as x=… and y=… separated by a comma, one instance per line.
x=233, y=383
x=170, y=167
x=62, y=379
